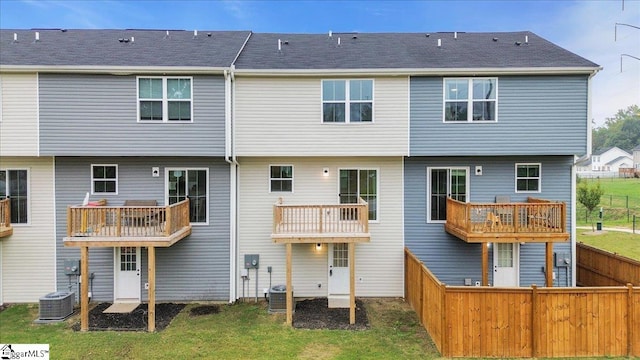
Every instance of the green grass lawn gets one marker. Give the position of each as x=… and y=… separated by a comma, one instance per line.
x=240, y=331
x=621, y=200
x=621, y=243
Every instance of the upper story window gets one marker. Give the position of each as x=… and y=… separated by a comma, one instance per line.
x=281, y=178
x=14, y=185
x=470, y=99
x=193, y=184
x=347, y=101
x=104, y=179
x=528, y=177
x=165, y=99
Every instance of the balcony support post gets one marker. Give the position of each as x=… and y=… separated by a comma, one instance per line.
x=352, y=283
x=485, y=264
x=151, y=253
x=289, y=287
x=549, y=265
x=84, y=289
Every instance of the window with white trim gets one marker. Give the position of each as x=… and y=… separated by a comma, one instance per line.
x=347, y=101
x=165, y=99
x=281, y=178
x=360, y=183
x=104, y=179
x=470, y=99
x=528, y=178
x=193, y=184
x=14, y=185
x=441, y=184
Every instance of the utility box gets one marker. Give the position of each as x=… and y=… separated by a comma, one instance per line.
x=72, y=266
x=278, y=299
x=251, y=261
x=563, y=260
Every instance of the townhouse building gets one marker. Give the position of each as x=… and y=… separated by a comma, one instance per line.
x=310, y=160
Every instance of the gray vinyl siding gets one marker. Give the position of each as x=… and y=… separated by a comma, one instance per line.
x=84, y=115
x=537, y=115
x=451, y=259
x=195, y=268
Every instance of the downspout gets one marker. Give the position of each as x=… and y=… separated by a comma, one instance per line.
x=232, y=186
x=230, y=157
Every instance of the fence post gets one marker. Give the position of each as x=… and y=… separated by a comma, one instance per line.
x=534, y=321
x=443, y=308
x=630, y=319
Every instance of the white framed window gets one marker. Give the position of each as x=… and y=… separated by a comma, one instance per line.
x=444, y=182
x=14, y=184
x=104, y=179
x=165, y=99
x=192, y=183
x=347, y=101
x=529, y=177
x=360, y=183
x=281, y=178
x=470, y=99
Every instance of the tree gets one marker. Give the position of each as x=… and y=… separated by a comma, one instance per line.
x=589, y=196
x=622, y=130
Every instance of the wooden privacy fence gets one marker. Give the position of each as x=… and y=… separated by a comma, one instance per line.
x=597, y=267
x=466, y=321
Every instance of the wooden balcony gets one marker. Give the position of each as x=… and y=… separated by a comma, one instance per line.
x=536, y=220
x=343, y=223
x=111, y=226
x=5, y=218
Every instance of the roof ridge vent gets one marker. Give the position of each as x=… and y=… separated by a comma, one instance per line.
x=495, y=39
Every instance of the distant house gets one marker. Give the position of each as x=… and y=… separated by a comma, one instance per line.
x=636, y=157
x=605, y=163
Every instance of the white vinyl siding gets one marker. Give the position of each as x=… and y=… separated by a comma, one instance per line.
x=19, y=125
x=379, y=263
x=281, y=116
x=28, y=256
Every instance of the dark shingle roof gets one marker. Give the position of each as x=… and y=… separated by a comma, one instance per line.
x=154, y=48
x=405, y=51
x=103, y=47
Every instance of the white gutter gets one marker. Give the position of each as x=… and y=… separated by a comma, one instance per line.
x=113, y=70
x=573, y=225
x=422, y=71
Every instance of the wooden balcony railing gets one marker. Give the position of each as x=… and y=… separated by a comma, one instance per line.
x=321, y=223
x=537, y=220
x=128, y=224
x=5, y=218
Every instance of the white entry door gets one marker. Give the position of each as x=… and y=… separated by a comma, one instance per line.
x=506, y=261
x=338, y=269
x=127, y=275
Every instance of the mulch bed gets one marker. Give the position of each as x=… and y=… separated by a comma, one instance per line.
x=133, y=321
x=315, y=314
x=204, y=310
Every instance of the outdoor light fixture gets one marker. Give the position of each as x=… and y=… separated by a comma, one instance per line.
x=318, y=247
x=325, y=172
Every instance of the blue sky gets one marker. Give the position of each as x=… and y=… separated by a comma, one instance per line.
x=584, y=27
